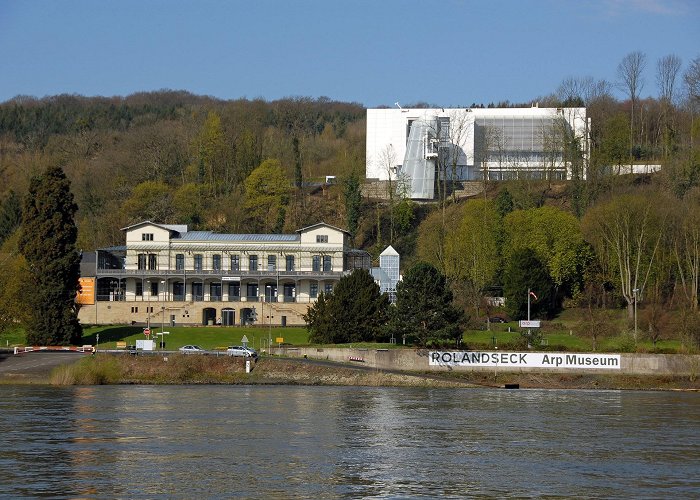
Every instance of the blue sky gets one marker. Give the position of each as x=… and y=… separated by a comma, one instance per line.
x=374, y=52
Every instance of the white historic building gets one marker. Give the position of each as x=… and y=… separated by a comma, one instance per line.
x=412, y=146
x=166, y=274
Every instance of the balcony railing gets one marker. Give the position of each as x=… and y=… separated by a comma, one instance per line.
x=191, y=273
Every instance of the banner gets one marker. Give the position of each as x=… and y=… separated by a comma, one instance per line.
x=86, y=294
x=525, y=360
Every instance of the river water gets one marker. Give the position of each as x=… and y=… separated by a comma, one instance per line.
x=345, y=442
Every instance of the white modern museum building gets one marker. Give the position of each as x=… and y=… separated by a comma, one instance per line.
x=414, y=147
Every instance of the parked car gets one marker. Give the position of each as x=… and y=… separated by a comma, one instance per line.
x=191, y=348
x=497, y=319
x=239, y=350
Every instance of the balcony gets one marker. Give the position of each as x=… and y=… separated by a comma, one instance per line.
x=191, y=273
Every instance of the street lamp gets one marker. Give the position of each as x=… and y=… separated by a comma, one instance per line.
x=634, y=294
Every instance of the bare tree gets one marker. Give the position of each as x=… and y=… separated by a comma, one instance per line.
x=628, y=230
x=460, y=128
x=667, y=70
x=692, y=80
x=686, y=248
x=387, y=161
x=629, y=71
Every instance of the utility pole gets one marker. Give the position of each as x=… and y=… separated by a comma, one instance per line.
x=529, y=332
x=634, y=294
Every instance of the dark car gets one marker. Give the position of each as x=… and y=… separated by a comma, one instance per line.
x=497, y=319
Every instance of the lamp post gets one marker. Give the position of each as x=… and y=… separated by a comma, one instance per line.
x=634, y=295
x=162, y=327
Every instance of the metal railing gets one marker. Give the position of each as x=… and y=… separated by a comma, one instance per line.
x=191, y=273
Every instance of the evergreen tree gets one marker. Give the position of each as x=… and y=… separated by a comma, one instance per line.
x=10, y=215
x=353, y=202
x=424, y=307
x=356, y=311
x=504, y=203
x=47, y=241
x=525, y=270
x=298, y=176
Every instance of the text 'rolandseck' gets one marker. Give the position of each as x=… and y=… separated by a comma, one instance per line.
x=525, y=359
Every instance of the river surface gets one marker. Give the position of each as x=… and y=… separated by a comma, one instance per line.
x=200, y=442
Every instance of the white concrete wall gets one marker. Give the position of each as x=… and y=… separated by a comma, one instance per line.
x=417, y=360
x=386, y=131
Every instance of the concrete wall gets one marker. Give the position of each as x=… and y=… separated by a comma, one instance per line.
x=417, y=360
x=186, y=313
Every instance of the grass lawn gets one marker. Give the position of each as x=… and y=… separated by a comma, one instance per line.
x=560, y=332
x=11, y=338
x=212, y=337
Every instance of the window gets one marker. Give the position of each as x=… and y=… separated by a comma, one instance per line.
x=253, y=263
x=216, y=262
x=327, y=263
x=321, y=238
x=252, y=291
x=316, y=263
x=198, y=262
x=198, y=291
x=180, y=262
x=139, y=288
x=152, y=261
x=313, y=290
x=215, y=291
x=328, y=288
x=235, y=263
x=146, y=236
x=154, y=288
x=234, y=291
x=142, y=261
x=134, y=309
x=272, y=263
x=290, y=263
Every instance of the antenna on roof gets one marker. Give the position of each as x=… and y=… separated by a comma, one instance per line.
x=398, y=105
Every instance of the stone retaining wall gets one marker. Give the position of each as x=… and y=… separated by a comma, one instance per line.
x=418, y=360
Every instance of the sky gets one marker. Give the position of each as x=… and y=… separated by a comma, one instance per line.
x=373, y=52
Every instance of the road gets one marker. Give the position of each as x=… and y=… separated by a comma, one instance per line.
x=33, y=365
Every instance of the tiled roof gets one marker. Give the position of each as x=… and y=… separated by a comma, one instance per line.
x=211, y=236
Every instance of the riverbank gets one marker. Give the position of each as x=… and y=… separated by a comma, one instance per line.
x=192, y=369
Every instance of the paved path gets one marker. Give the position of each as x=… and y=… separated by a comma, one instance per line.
x=33, y=365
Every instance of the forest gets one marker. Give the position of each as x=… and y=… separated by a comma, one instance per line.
x=602, y=242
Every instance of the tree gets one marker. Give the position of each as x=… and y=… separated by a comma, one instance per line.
x=627, y=230
x=150, y=200
x=555, y=237
x=686, y=248
x=504, y=203
x=424, y=307
x=629, y=71
x=13, y=285
x=471, y=253
x=10, y=215
x=266, y=194
x=356, y=311
x=525, y=271
x=47, y=241
x=353, y=201
x=692, y=79
x=188, y=204
x=214, y=157
x=387, y=162
x=667, y=70
x=597, y=322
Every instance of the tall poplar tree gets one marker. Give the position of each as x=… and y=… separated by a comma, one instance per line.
x=47, y=241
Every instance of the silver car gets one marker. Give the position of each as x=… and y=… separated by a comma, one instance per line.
x=239, y=350
x=191, y=348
